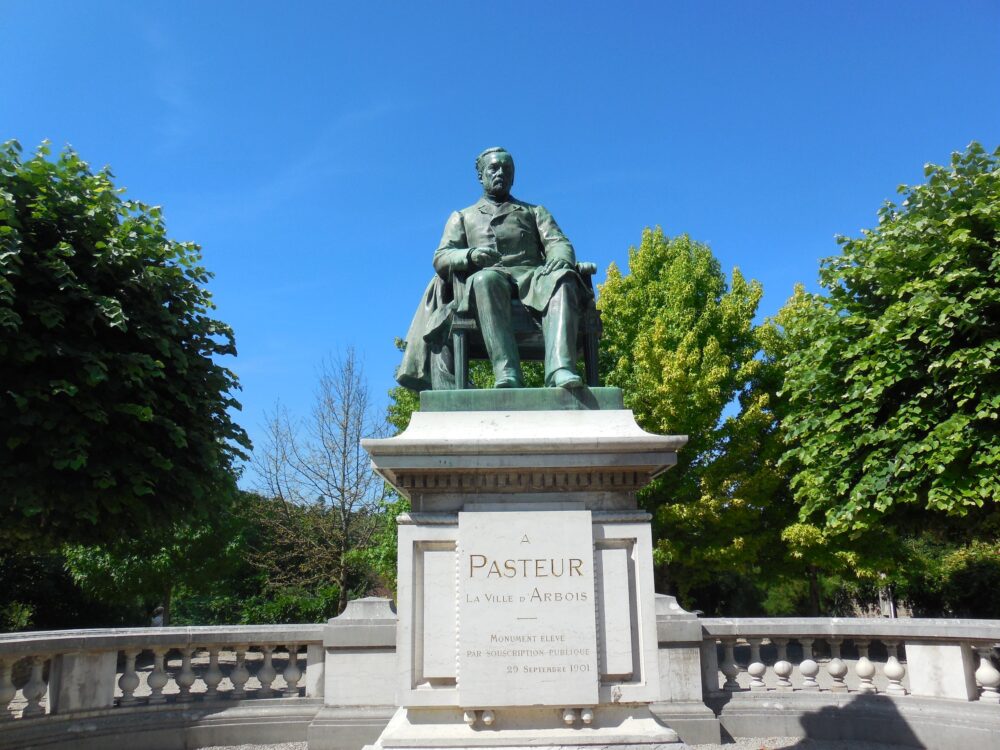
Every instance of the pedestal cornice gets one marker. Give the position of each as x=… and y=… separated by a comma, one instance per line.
x=591, y=454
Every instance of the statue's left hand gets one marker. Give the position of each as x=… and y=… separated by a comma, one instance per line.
x=554, y=264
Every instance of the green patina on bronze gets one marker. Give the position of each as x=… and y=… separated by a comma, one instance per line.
x=523, y=399
x=493, y=251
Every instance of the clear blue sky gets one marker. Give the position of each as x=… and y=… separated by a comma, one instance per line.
x=315, y=149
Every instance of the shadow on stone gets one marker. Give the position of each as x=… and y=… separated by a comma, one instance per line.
x=907, y=721
x=863, y=718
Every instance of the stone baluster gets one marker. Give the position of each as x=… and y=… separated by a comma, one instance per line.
x=186, y=677
x=266, y=673
x=894, y=670
x=240, y=673
x=213, y=675
x=782, y=667
x=157, y=679
x=987, y=675
x=34, y=690
x=292, y=673
x=729, y=666
x=7, y=689
x=129, y=680
x=808, y=668
x=756, y=669
x=864, y=669
x=836, y=667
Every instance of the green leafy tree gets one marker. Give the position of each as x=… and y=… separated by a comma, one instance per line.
x=38, y=593
x=802, y=568
x=380, y=556
x=146, y=574
x=943, y=577
x=681, y=344
x=894, y=408
x=114, y=414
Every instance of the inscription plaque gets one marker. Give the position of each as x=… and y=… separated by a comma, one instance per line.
x=526, y=609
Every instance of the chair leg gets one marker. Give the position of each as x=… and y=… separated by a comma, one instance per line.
x=461, y=355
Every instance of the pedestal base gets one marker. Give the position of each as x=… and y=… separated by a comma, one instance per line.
x=527, y=616
x=623, y=727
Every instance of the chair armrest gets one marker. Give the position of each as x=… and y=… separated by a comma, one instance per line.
x=586, y=269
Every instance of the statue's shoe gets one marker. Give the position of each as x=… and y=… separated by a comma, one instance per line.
x=566, y=379
x=508, y=383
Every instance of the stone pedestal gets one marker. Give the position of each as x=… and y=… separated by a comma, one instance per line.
x=358, y=678
x=526, y=606
x=681, y=704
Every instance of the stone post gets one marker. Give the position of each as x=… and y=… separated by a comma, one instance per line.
x=359, y=676
x=682, y=705
x=942, y=670
x=82, y=681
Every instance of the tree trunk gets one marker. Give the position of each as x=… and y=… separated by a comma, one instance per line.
x=342, y=583
x=814, y=600
x=167, y=596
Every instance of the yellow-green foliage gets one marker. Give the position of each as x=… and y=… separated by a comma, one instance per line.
x=676, y=339
x=682, y=345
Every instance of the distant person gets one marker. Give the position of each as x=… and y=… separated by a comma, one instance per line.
x=157, y=621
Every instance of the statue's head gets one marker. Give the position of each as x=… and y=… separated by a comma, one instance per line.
x=495, y=167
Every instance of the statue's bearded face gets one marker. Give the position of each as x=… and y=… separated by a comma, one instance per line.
x=497, y=175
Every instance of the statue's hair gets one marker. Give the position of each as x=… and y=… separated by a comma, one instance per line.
x=487, y=152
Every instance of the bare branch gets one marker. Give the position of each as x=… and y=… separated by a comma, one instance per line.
x=325, y=494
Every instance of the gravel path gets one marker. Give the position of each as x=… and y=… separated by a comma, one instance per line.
x=786, y=743
x=754, y=743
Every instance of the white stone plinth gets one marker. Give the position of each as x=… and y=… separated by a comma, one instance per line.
x=526, y=603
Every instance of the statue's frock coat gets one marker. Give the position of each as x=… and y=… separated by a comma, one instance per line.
x=526, y=236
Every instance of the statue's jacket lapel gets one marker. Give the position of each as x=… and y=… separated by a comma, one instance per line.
x=526, y=236
x=512, y=230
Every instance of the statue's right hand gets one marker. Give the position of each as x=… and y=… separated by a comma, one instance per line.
x=484, y=257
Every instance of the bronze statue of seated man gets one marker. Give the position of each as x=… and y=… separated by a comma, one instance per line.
x=506, y=249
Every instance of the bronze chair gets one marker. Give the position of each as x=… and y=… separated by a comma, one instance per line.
x=468, y=341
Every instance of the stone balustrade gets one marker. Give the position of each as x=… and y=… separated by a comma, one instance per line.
x=917, y=683
x=910, y=682
x=937, y=658
x=69, y=672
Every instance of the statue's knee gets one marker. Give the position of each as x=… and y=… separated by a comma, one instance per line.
x=567, y=289
x=487, y=278
x=488, y=281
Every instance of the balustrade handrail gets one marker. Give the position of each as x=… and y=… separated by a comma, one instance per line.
x=118, y=638
x=909, y=629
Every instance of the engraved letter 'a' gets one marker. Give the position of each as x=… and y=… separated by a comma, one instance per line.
x=525, y=540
